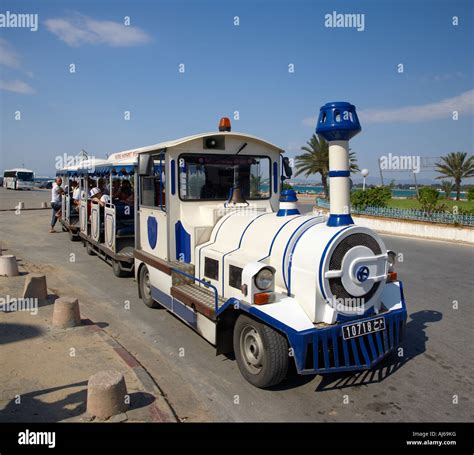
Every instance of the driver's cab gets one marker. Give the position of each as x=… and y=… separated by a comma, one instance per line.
x=186, y=186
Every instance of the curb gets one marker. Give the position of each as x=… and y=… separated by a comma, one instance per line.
x=146, y=380
x=25, y=209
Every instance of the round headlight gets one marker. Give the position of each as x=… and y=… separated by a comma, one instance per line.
x=264, y=279
x=392, y=259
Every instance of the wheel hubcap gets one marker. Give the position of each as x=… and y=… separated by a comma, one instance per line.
x=252, y=350
x=147, y=286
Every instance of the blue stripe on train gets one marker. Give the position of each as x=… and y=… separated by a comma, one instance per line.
x=181, y=310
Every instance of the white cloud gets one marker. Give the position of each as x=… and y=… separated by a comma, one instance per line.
x=80, y=29
x=449, y=76
x=463, y=104
x=310, y=121
x=8, y=56
x=16, y=86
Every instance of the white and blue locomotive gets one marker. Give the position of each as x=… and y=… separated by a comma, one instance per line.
x=222, y=247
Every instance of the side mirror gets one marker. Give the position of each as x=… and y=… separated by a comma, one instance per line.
x=145, y=164
x=286, y=167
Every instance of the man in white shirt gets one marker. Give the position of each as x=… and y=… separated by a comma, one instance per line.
x=56, y=193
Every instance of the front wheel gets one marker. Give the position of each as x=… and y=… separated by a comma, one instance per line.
x=145, y=288
x=261, y=352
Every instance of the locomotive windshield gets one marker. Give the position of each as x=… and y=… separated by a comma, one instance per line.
x=211, y=177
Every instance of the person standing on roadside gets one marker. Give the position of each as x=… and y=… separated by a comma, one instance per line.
x=56, y=193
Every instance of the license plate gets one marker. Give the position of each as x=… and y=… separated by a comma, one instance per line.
x=363, y=328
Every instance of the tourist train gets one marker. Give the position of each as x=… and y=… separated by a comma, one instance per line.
x=210, y=235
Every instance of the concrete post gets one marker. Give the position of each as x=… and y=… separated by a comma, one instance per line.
x=35, y=287
x=66, y=313
x=106, y=394
x=8, y=265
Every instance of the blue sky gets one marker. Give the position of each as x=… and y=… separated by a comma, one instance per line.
x=231, y=68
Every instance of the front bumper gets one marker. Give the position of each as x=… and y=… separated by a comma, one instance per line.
x=324, y=350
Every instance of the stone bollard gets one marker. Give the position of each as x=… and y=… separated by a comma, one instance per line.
x=44, y=205
x=8, y=265
x=66, y=313
x=106, y=394
x=35, y=287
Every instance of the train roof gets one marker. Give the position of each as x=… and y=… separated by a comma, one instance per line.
x=184, y=140
x=126, y=159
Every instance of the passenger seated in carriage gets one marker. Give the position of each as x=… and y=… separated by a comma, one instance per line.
x=115, y=193
x=102, y=185
x=96, y=196
x=75, y=196
x=126, y=193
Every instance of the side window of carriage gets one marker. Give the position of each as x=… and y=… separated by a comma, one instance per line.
x=153, y=186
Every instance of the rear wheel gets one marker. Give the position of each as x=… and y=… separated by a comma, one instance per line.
x=261, y=352
x=145, y=288
x=117, y=268
x=89, y=250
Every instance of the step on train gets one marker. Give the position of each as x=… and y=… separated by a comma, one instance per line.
x=204, y=226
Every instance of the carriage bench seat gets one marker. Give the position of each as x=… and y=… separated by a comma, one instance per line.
x=125, y=229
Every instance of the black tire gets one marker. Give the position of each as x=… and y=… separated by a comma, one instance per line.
x=118, y=271
x=145, y=288
x=261, y=352
x=89, y=250
x=73, y=237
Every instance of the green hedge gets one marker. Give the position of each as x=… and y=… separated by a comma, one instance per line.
x=372, y=197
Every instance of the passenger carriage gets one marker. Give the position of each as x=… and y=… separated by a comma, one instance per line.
x=106, y=230
x=69, y=211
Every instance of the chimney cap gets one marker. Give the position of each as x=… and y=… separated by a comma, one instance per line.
x=338, y=121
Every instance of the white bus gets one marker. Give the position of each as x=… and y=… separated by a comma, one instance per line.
x=18, y=179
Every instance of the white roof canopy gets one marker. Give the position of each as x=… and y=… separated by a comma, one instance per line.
x=168, y=144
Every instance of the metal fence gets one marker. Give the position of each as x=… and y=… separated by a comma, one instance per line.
x=411, y=214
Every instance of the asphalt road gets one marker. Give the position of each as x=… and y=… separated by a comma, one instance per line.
x=433, y=381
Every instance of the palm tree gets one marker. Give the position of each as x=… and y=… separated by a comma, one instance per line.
x=256, y=182
x=456, y=166
x=447, y=187
x=315, y=160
